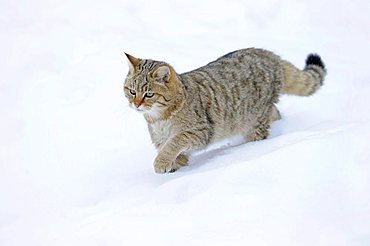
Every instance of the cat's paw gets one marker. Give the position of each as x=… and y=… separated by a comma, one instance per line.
x=162, y=166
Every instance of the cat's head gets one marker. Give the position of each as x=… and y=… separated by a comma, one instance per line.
x=151, y=87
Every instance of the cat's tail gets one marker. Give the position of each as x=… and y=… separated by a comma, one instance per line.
x=304, y=82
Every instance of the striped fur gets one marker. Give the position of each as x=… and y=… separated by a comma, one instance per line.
x=235, y=94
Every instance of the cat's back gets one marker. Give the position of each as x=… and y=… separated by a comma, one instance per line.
x=240, y=66
x=249, y=54
x=241, y=59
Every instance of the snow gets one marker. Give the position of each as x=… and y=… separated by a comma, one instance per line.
x=76, y=161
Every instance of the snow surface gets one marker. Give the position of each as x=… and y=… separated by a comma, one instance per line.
x=76, y=162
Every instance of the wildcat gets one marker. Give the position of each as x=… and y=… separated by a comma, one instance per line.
x=233, y=95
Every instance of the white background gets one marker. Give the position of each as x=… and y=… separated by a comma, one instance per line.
x=76, y=162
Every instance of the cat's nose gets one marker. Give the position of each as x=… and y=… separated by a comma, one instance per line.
x=137, y=104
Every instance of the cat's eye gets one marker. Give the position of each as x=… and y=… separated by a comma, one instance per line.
x=149, y=94
x=132, y=92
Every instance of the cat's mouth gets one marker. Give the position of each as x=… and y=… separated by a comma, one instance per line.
x=139, y=109
x=153, y=111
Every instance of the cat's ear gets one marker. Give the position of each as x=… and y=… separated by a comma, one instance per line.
x=132, y=62
x=162, y=73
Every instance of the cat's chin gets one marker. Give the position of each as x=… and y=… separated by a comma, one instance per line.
x=143, y=111
x=140, y=110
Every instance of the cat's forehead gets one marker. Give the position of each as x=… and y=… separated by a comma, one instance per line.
x=145, y=66
x=140, y=77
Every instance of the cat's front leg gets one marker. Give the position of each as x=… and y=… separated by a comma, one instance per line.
x=169, y=157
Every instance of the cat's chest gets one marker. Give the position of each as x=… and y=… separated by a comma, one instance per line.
x=161, y=131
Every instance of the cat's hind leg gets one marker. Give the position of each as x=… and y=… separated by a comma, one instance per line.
x=274, y=114
x=260, y=130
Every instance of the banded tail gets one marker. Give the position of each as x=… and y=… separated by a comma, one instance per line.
x=304, y=82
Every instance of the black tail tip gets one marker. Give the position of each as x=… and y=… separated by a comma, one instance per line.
x=315, y=59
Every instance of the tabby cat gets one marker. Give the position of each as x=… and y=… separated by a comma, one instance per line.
x=235, y=94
